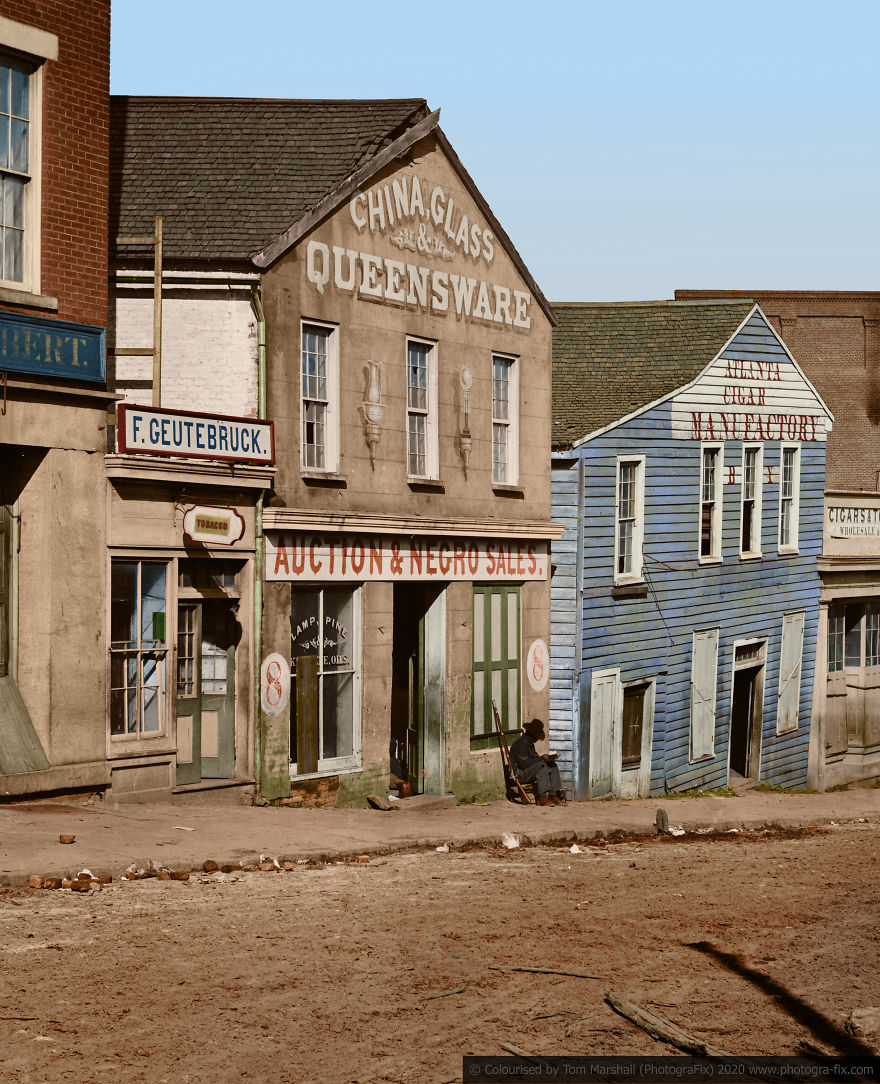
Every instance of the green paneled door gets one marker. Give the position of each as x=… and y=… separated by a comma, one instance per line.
x=205, y=690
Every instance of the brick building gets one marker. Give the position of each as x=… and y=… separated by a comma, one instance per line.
x=835, y=337
x=54, y=107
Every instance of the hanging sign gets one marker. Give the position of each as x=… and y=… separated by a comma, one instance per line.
x=274, y=684
x=145, y=430
x=357, y=558
x=213, y=526
x=538, y=665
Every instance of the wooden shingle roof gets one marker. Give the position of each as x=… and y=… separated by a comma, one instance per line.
x=231, y=174
x=610, y=360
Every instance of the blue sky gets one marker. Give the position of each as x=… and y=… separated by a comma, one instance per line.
x=628, y=148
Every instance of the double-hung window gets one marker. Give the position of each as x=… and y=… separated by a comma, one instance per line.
x=138, y=648
x=711, y=502
x=19, y=154
x=319, y=397
x=505, y=420
x=421, y=409
x=325, y=679
x=629, y=519
x=750, y=512
x=789, y=493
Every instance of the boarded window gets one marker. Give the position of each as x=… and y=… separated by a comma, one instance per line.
x=788, y=707
x=704, y=674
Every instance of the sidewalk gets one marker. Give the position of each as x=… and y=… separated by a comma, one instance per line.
x=181, y=837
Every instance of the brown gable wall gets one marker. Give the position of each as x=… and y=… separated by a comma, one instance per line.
x=75, y=155
x=835, y=338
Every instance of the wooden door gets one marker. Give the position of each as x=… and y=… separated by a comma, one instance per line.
x=205, y=691
x=606, y=708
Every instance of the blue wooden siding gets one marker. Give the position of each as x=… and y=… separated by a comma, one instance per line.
x=651, y=636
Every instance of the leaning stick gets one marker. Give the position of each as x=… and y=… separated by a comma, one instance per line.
x=546, y=971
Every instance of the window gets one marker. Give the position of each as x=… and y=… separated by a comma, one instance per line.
x=496, y=660
x=505, y=421
x=138, y=648
x=750, y=522
x=421, y=409
x=634, y=702
x=704, y=675
x=710, y=503
x=319, y=395
x=19, y=174
x=789, y=492
x=325, y=679
x=629, y=520
x=854, y=635
x=790, y=654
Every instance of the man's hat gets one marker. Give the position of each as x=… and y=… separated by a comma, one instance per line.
x=534, y=727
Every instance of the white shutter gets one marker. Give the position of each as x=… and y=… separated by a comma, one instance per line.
x=704, y=675
x=606, y=707
x=790, y=655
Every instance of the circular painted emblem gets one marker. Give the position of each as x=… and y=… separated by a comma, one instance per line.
x=274, y=684
x=538, y=665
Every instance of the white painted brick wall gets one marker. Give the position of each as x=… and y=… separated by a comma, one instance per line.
x=209, y=352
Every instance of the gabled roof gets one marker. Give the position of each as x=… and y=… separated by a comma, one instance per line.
x=231, y=174
x=610, y=360
x=240, y=180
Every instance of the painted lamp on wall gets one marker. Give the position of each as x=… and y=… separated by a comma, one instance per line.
x=373, y=408
x=466, y=379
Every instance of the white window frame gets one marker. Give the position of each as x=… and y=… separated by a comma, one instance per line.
x=753, y=550
x=635, y=573
x=508, y=424
x=429, y=413
x=30, y=280
x=351, y=763
x=330, y=463
x=715, y=554
x=791, y=653
x=704, y=705
x=793, y=499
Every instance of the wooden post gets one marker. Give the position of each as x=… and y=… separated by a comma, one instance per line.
x=306, y=714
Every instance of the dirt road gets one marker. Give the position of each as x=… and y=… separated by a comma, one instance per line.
x=384, y=971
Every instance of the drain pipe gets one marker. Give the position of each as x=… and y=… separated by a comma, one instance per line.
x=258, y=544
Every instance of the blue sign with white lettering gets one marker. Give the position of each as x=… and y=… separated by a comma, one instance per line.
x=32, y=344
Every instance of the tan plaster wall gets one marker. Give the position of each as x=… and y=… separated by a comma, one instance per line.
x=62, y=647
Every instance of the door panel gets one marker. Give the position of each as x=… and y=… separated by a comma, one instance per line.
x=189, y=632
x=605, y=690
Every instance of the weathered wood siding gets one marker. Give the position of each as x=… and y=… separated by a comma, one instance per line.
x=650, y=637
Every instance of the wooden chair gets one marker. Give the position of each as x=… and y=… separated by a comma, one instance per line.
x=515, y=790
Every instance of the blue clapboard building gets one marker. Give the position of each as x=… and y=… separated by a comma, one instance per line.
x=688, y=469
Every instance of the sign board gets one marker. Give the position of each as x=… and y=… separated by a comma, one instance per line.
x=143, y=430
x=274, y=684
x=853, y=522
x=55, y=348
x=213, y=526
x=306, y=558
x=538, y=665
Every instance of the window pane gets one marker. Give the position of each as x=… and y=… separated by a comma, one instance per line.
x=123, y=612
x=495, y=627
x=13, y=214
x=337, y=729
x=13, y=256
x=872, y=635
x=513, y=699
x=512, y=626
x=19, y=145
x=338, y=631
x=303, y=624
x=19, y=92
x=4, y=86
x=479, y=707
x=152, y=603
x=853, y=636
x=835, y=640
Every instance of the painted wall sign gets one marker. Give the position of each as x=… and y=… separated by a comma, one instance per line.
x=213, y=526
x=274, y=684
x=859, y=522
x=538, y=665
x=53, y=348
x=748, y=400
x=309, y=558
x=153, y=431
x=733, y=474
x=422, y=217
x=383, y=279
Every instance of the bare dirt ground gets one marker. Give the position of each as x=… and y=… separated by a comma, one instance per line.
x=383, y=971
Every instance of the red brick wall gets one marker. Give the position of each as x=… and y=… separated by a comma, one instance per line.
x=835, y=338
x=75, y=156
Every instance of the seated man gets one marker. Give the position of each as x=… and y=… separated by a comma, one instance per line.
x=531, y=767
